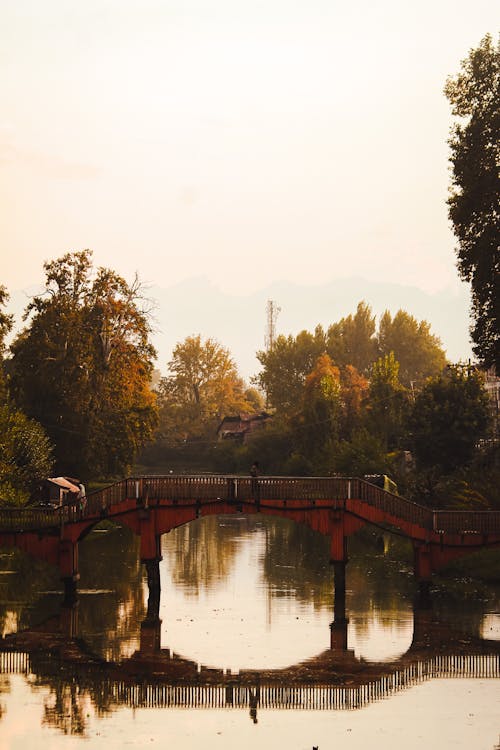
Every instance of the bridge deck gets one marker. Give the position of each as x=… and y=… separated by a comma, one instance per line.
x=266, y=493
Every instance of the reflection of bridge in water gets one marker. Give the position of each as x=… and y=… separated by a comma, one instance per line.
x=237, y=692
x=153, y=677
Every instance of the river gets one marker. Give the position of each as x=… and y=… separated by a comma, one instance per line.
x=240, y=650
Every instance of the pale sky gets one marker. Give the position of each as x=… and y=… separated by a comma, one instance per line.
x=243, y=141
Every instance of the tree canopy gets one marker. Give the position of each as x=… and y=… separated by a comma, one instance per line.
x=25, y=455
x=82, y=366
x=202, y=387
x=5, y=328
x=419, y=354
x=286, y=366
x=474, y=95
x=449, y=416
x=352, y=341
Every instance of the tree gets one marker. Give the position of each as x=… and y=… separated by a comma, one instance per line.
x=355, y=388
x=203, y=386
x=83, y=366
x=449, y=416
x=286, y=366
x=419, y=353
x=474, y=95
x=352, y=341
x=25, y=455
x=5, y=328
x=387, y=401
x=321, y=409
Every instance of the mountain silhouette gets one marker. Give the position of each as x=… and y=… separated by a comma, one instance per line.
x=238, y=321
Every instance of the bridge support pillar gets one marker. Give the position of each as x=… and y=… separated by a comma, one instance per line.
x=338, y=538
x=423, y=566
x=68, y=566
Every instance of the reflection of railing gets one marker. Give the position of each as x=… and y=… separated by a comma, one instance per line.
x=306, y=492
x=234, y=694
x=14, y=662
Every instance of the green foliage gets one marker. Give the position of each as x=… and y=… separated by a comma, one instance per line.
x=25, y=456
x=474, y=95
x=202, y=388
x=363, y=454
x=6, y=322
x=448, y=418
x=321, y=405
x=352, y=340
x=420, y=354
x=387, y=402
x=286, y=366
x=82, y=367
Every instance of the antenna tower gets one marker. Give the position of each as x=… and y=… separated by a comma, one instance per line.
x=272, y=311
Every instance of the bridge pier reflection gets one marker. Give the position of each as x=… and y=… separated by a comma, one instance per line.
x=68, y=619
x=338, y=628
x=68, y=566
x=154, y=587
x=151, y=626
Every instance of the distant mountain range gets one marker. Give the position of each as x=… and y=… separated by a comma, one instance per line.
x=239, y=321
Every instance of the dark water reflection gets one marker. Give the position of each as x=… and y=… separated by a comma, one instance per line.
x=244, y=596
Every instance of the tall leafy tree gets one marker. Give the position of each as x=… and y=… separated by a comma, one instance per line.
x=25, y=450
x=83, y=365
x=474, y=95
x=419, y=353
x=203, y=386
x=25, y=455
x=449, y=416
x=286, y=366
x=355, y=388
x=319, y=421
x=352, y=341
x=387, y=401
x=5, y=328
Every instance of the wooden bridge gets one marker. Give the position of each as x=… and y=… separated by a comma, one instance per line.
x=334, y=506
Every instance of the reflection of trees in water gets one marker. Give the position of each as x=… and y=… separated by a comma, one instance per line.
x=74, y=692
x=202, y=553
x=111, y=603
x=4, y=688
x=380, y=582
x=22, y=583
x=110, y=565
x=65, y=708
x=296, y=562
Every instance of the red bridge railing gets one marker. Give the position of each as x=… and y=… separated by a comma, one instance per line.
x=299, y=491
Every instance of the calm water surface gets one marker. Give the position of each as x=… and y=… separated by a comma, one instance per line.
x=238, y=652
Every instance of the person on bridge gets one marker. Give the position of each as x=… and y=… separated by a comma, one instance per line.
x=254, y=484
x=81, y=498
x=255, y=469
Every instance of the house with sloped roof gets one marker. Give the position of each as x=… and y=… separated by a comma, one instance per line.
x=242, y=427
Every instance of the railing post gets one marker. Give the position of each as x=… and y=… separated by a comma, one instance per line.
x=68, y=566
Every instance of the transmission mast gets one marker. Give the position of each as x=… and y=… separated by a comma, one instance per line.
x=272, y=311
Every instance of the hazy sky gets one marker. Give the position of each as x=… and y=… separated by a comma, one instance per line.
x=243, y=141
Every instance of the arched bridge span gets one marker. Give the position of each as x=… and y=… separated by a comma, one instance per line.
x=334, y=506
